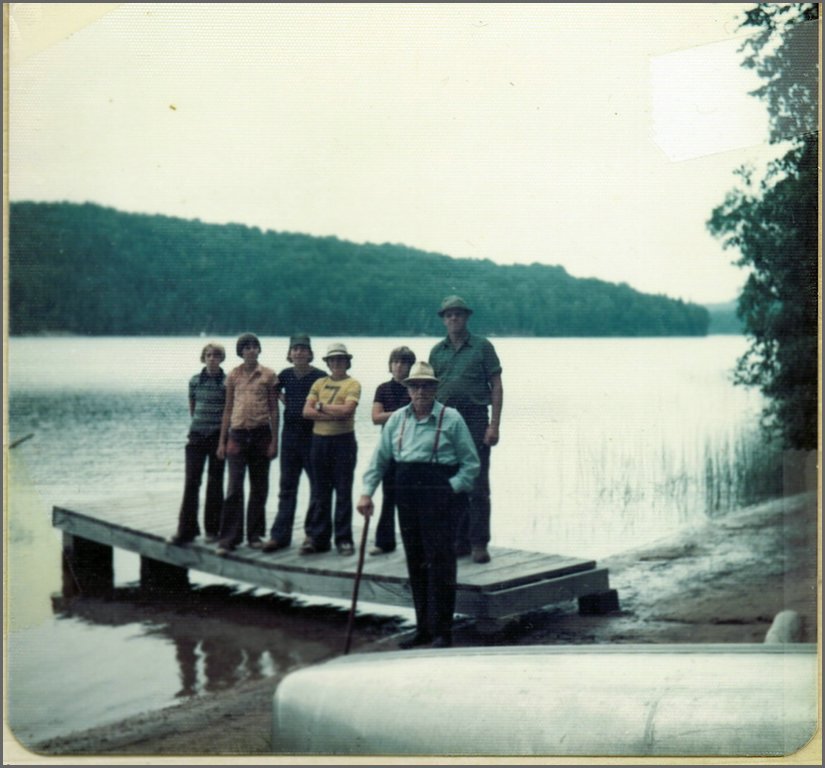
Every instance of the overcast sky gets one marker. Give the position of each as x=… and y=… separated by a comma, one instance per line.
x=594, y=136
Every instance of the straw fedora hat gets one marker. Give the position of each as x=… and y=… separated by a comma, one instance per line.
x=337, y=349
x=421, y=372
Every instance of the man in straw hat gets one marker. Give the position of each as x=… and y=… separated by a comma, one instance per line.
x=435, y=461
x=469, y=373
x=331, y=407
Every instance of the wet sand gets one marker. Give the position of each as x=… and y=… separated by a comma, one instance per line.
x=722, y=582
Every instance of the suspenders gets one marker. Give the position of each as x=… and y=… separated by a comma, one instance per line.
x=434, y=455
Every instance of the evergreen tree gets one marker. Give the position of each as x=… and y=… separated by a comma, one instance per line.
x=92, y=270
x=773, y=222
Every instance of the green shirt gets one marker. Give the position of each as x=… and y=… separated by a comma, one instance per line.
x=464, y=374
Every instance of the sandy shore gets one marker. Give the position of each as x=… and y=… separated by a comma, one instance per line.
x=722, y=582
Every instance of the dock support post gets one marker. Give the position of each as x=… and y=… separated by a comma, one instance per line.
x=599, y=603
x=88, y=567
x=487, y=626
x=162, y=578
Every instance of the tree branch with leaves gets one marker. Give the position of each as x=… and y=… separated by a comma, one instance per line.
x=773, y=223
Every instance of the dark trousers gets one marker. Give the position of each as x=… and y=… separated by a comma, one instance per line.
x=333, y=460
x=294, y=459
x=425, y=519
x=473, y=517
x=201, y=449
x=246, y=449
x=385, y=530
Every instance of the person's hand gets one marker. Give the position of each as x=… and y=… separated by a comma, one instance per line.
x=221, y=452
x=272, y=450
x=365, y=506
x=491, y=435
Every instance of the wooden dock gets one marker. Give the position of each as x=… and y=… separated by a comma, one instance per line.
x=514, y=583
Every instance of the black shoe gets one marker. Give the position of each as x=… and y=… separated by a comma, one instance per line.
x=179, y=541
x=481, y=555
x=224, y=549
x=256, y=544
x=309, y=547
x=442, y=641
x=273, y=545
x=381, y=550
x=462, y=551
x=419, y=638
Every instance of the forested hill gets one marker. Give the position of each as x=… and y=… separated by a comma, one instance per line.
x=86, y=269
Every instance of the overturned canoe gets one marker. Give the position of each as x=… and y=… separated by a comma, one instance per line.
x=652, y=700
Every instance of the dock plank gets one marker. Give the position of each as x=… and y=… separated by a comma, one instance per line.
x=514, y=582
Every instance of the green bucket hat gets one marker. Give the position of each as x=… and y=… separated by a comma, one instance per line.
x=299, y=340
x=454, y=302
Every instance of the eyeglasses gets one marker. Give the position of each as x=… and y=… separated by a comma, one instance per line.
x=421, y=385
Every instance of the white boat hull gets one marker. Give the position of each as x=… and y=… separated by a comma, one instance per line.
x=654, y=700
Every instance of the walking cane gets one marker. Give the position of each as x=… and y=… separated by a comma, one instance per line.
x=357, y=583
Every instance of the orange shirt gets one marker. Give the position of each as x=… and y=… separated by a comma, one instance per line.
x=253, y=396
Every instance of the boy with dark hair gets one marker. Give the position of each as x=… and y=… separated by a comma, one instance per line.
x=249, y=439
x=389, y=397
x=296, y=438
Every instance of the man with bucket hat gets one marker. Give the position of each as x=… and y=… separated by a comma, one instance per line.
x=331, y=405
x=469, y=374
x=296, y=438
x=435, y=461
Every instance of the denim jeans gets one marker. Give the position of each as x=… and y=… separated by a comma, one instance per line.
x=294, y=459
x=333, y=468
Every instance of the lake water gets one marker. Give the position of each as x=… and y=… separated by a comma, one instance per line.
x=606, y=444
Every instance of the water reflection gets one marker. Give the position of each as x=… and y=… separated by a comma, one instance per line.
x=223, y=637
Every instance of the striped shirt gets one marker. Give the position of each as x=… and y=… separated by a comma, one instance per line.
x=207, y=395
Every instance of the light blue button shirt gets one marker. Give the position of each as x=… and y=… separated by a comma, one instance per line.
x=406, y=439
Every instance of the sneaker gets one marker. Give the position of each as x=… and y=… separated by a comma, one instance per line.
x=179, y=541
x=381, y=550
x=345, y=548
x=481, y=555
x=419, y=638
x=256, y=544
x=273, y=545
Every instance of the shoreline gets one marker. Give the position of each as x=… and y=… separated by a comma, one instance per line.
x=721, y=582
